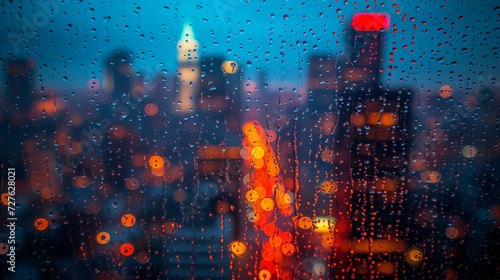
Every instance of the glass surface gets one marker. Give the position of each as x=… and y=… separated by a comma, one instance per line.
x=265, y=140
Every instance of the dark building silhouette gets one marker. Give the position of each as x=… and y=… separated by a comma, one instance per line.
x=20, y=85
x=19, y=97
x=117, y=79
x=212, y=101
x=122, y=111
x=372, y=145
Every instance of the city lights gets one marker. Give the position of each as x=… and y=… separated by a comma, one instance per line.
x=249, y=140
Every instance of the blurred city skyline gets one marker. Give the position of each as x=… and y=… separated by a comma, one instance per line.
x=73, y=48
x=237, y=139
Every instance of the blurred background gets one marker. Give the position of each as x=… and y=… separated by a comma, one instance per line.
x=250, y=139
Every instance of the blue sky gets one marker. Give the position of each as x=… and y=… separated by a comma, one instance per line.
x=83, y=33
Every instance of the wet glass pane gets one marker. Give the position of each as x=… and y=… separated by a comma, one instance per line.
x=265, y=140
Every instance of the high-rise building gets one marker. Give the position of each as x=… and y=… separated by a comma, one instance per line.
x=117, y=80
x=212, y=101
x=19, y=99
x=362, y=56
x=372, y=141
x=188, y=72
x=122, y=112
x=322, y=82
x=19, y=95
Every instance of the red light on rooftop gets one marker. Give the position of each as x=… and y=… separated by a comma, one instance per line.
x=370, y=22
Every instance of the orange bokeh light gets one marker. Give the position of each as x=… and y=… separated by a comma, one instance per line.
x=156, y=162
x=128, y=220
x=102, y=237
x=41, y=224
x=127, y=249
x=151, y=109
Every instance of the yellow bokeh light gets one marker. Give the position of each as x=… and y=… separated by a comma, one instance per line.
x=305, y=222
x=257, y=163
x=267, y=204
x=264, y=275
x=258, y=152
x=254, y=139
x=261, y=190
x=252, y=195
x=324, y=224
x=229, y=67
x=287, y=198
x=469, y=151
x=249, y=129
x=414, y=256
x=237, y=247
x=327, y=240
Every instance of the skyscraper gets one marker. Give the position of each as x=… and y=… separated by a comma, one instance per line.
x=372, y=139
x=188, y=71
x=117, y=79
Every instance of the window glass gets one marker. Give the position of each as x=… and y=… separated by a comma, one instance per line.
x=234, y=139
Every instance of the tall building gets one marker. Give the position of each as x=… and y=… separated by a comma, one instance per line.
x=372, y=141
x=117, y=79
x=212, y=101
x=20, y=84
x=322, y=82
x=362, y=57
x=18, y=103
x=188, y=71
x=123, y=114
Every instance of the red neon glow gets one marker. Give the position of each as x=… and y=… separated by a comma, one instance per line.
x=370, y=22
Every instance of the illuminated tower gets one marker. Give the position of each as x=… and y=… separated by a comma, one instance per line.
x=372, y=146
x=189, y=71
